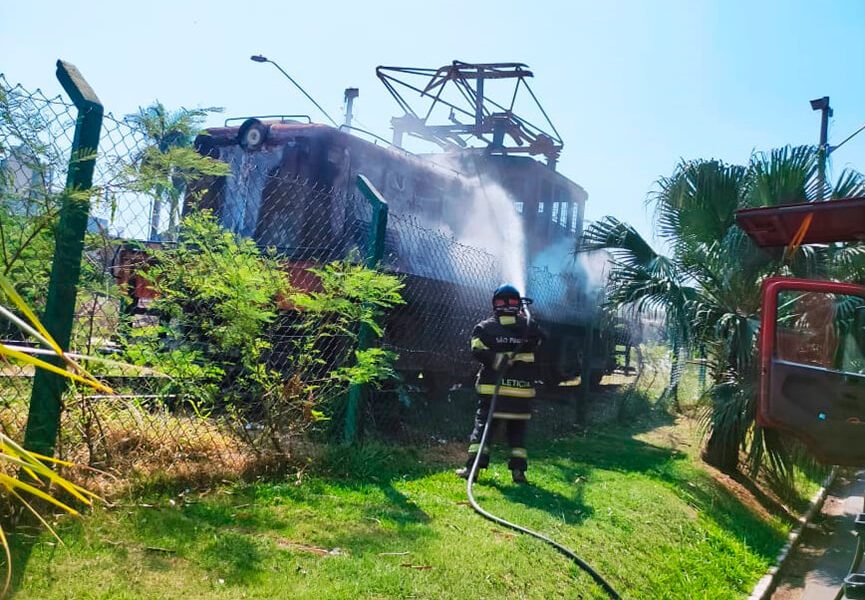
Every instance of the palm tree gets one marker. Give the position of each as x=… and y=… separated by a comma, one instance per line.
x=709, y=285
x=163, y=165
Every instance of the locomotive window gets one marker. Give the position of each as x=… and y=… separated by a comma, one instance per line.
x=519, y=207
x=540, y=207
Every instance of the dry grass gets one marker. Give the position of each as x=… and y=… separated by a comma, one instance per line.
x=118, y=446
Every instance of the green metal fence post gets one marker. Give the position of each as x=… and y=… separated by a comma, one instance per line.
x=43, y=419
x=365, y=336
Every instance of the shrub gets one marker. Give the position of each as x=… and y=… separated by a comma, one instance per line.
x=228, y=348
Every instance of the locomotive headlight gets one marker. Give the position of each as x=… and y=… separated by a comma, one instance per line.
x=252, y=134
x=253, y=137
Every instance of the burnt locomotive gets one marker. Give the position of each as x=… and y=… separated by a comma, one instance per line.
x=292, y=187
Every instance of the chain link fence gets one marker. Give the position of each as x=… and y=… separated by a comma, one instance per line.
x=145, y=420
x=35, y=145
x=222, y=295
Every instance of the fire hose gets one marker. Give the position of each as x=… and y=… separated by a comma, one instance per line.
x=487, y=515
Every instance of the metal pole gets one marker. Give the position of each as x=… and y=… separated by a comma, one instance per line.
x=43, y=419
x=822, y=104
x=350, y=95
x=375, y=252
x=824, y=133
x=479, y=100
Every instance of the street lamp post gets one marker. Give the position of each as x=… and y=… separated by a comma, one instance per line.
x=263, y=59
x=822, y=104
x=825, y=149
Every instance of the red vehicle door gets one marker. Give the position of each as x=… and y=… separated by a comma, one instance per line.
x=812, y=354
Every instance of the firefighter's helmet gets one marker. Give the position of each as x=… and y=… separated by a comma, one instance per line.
x=507, y=300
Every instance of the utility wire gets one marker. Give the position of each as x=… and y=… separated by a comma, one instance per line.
x=847, y=139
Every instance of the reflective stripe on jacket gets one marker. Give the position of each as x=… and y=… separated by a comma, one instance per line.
x=496, y=341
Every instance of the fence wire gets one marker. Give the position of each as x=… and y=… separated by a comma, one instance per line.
x=35, y=141
x=221, y=300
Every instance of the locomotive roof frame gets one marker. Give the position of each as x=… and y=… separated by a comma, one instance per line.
x=491, y=123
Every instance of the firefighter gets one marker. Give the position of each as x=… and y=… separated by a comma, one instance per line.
x=505, y=346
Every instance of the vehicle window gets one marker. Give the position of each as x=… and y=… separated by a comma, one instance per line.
x=822, y=330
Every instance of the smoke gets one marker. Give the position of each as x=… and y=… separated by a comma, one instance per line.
x=595, y=267
x=497, y=228
x=590, y=268
x=488, y=219
x=556, y=258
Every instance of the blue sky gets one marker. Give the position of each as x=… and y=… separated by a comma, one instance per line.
x=631, y=86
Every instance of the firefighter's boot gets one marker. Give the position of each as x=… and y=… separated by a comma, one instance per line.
x=519, y=476
x=465, y=472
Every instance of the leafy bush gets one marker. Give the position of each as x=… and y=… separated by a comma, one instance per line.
x=215, y=296
x=228, y=348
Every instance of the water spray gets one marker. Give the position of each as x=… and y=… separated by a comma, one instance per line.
x=513, y=229
x=487, y=515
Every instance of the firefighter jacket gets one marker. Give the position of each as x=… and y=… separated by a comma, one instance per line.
x=496, y=342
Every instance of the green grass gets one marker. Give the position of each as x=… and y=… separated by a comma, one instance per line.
x=396, y=525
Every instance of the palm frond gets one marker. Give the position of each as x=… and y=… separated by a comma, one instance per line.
x=697, y=204
x=26, y=463
x=783, y=176
x=625, y=243
x=850, y=184
x=767, y=449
